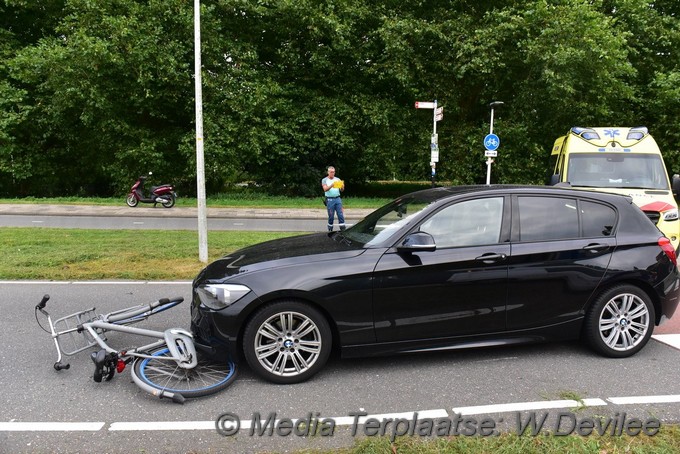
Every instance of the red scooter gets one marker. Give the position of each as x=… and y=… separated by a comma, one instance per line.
x=163, y=194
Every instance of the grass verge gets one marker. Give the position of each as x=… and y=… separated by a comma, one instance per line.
x=667, y=441
x=78, y=254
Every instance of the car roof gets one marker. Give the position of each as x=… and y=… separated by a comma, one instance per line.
x=445, y=192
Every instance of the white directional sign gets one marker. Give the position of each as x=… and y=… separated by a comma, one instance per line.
x=434, y=153
x=424, y=105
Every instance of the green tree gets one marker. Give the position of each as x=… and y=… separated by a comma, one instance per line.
x=109, y=95
x=95, y=93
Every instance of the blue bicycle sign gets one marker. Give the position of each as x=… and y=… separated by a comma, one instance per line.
x=491, y=142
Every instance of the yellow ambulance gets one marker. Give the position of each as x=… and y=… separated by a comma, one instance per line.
x=623, y=161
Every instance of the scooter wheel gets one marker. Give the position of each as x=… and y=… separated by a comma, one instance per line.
x=131, y=200
x=168, y=201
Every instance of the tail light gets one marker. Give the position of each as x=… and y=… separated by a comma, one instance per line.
x=666, y=246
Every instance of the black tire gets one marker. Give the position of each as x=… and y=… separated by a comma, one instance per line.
x=131, y=200
x=287, y=342
x=208, y=377
x=168, y=200
x=620, y=321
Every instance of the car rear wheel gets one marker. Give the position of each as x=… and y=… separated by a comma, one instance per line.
x=287, y=342
x=620, y=322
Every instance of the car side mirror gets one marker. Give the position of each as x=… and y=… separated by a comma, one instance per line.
x=418, y=242
x=675, y=185
x=554, y=179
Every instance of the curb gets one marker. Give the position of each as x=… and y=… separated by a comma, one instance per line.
x=28, y=209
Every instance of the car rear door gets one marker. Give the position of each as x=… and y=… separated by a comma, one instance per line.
x=561, y=248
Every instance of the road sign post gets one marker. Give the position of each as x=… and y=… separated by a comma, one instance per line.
x=491, y=143
x=437, y=115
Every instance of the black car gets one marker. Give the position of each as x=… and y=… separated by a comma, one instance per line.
x=440, y=269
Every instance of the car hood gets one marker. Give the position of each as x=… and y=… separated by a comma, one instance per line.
x=311, y=248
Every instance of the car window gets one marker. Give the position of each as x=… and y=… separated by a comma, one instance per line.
x=597, y=219
x=385, y=221
x=547, y=218
x=468, y=223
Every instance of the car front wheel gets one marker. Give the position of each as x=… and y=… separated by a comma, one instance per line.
x=287, y=342
x=620, y=322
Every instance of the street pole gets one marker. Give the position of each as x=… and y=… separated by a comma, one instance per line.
x=489, y=161
x=434, y=144
x=433, y=164
x=200, y=163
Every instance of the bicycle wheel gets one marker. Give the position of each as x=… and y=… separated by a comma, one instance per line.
x=147, y=314
x=206, y=378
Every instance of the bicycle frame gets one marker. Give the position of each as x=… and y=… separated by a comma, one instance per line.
x=179, y=342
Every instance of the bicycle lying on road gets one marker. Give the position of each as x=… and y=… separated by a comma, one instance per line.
x=169, y=367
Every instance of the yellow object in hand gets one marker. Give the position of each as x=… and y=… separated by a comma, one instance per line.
x=339, y=184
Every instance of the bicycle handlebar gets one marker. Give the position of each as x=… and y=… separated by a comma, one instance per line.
x=41, y=305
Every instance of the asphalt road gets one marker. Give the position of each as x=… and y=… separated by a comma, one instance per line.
x=49, y=411
x=124, y=217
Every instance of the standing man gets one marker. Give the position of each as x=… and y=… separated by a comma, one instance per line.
x=332, y=187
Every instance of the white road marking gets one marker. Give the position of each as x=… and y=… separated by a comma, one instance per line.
x=432, y=414
x=108, y=283
x=644, y=399
x=163, y=425
x=670, y=339
x=528, y=406
x=97, y=282
x=34, y=282
x=13, y=426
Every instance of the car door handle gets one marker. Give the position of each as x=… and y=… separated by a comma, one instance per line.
x=596, y=247
x=491, y=258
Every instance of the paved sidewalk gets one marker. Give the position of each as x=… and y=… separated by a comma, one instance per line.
x=29, y=209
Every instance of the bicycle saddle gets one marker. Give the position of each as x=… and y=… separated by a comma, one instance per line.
x=104, y=365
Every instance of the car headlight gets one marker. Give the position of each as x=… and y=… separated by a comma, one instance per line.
x=219, y=296
x=670, y=215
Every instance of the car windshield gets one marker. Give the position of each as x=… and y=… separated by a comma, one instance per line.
x=385, y=221
x=617, y=170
